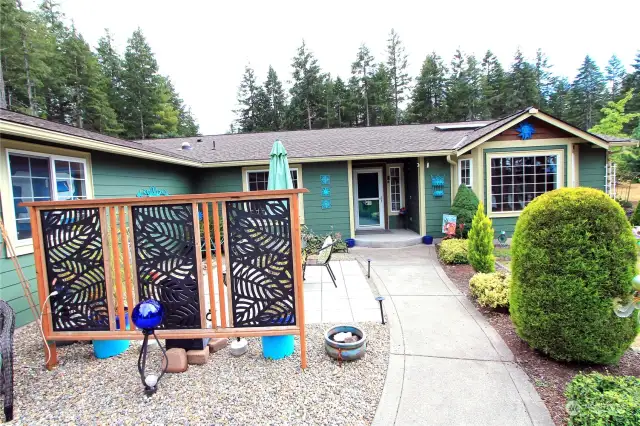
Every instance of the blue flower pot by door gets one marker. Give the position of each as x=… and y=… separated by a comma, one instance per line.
x=427, y=239
x=108, y=348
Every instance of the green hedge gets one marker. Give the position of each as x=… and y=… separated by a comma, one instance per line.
x=573, y=253
x=597, y=400
x=454, y=251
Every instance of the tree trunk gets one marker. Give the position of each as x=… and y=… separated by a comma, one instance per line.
x=27, y=72
x=309, y=114
x=3, y=93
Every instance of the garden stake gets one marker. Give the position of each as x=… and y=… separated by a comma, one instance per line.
x=368, y=268
x=380, y=299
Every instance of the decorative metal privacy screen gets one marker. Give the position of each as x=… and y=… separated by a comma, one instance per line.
x=75, y=266
x=261, y=263
x=165, y=252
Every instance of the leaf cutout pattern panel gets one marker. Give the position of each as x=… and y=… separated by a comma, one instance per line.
x=74, y=260
x=165, y=251
x=261, y=263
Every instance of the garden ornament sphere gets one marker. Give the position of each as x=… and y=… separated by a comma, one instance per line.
x=147, y=314
x=636, y=283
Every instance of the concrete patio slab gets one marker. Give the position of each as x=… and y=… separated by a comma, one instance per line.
x=412, y=280
x=440, y=391
x=440, y=326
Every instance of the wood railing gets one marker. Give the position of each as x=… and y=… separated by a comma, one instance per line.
x=103, y=256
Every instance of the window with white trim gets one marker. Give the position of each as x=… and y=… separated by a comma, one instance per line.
x=395, y=188
x=257, y=180
x=42, y=177
x=464, y=172
x=516, y=181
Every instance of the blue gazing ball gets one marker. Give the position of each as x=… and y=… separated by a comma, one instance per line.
x=147, y=314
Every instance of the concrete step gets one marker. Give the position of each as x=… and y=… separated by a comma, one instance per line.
x=387, y=240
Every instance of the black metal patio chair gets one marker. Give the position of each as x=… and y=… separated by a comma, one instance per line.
x=7, y=326
x=321, y=258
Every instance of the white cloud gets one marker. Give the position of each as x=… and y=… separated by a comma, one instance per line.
x=204, y=45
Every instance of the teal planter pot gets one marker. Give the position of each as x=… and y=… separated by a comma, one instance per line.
x=277, y=347
x=108, y=348
x=345, y=351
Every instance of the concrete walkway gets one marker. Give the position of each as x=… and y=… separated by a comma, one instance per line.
x=447, y=366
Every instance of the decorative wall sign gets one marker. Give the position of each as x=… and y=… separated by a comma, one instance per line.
x=449, y=224
x=165, y=251
x=437, y=185
x=325, y=179
x=502, y=238
x=525, y=131
x=75, y=267
x=326, y=204
x=152, y=192
x=326, y=191
x=261, y=263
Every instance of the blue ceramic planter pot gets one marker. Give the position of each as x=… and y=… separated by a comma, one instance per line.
x=108, y=348
x=350, y=242
x=345, y=351
x=427, y=239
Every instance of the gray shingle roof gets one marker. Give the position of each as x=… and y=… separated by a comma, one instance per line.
x=352, y=141
x=40, y=123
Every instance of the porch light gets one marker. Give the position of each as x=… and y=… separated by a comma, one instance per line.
x=148, y=315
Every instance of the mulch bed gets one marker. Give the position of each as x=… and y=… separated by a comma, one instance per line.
x=549, y=377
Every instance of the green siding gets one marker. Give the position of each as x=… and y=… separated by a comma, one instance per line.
x=226, y=179
x=335, y=219
x=591, y=166
x=437, y=206
x=507, y=224
x=114, y=176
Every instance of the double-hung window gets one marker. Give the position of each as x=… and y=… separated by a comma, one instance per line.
x=41, y=177
x=464, y=172
x=517, y=180
x=395, y=188
x=257, y=180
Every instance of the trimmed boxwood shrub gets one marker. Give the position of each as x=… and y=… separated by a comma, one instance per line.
x=573, y=253
x=635, y=217
x=595, y=399
x=464, y=207
x=491, y=289
x=454, y=251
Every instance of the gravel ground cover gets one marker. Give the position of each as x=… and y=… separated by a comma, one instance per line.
x=248, y=390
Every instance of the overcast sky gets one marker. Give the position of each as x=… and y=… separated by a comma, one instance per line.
x=204, y=45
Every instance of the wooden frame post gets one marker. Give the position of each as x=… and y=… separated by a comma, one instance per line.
x=296, y=248
x=207, y=245
x=216, y=233
x=51, y=353
x=115, y=253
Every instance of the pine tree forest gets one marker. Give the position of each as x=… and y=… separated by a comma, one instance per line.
x=48, y=70
x=380, y=91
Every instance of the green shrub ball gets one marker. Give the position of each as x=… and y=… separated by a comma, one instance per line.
x=573, y=253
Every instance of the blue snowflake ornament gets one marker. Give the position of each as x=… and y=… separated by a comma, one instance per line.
x=525, y=131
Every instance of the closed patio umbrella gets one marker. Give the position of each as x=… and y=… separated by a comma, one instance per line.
x=279, y=175
x=276, y=347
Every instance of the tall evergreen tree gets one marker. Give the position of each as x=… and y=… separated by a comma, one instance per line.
x=521, y=84
x=493, y=87
x=397, y=67
x=340, y=100
x=587, y=95
x=363, y=70
x=141, y=93
x=559, y=97
x=632, y=82
x=306, y=89
x=111, y=67
x=428, y=99
x=615, y=74
x=457, y=89
x=473, y=81
x=382, y=98
x=615, y=118
x=275, y=93
x=249, y=119
x=543, y=79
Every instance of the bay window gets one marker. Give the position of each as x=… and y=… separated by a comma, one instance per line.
x=516, y=180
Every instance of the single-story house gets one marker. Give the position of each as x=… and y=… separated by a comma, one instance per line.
x=359, y=179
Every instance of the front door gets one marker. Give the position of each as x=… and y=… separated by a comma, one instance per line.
x=369, y=199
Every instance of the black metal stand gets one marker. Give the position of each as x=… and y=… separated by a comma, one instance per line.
x=142, y=361
x=380, y=299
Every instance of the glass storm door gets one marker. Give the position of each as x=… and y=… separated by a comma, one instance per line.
x=369, y=199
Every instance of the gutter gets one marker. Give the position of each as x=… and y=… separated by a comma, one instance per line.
x=450, y=161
